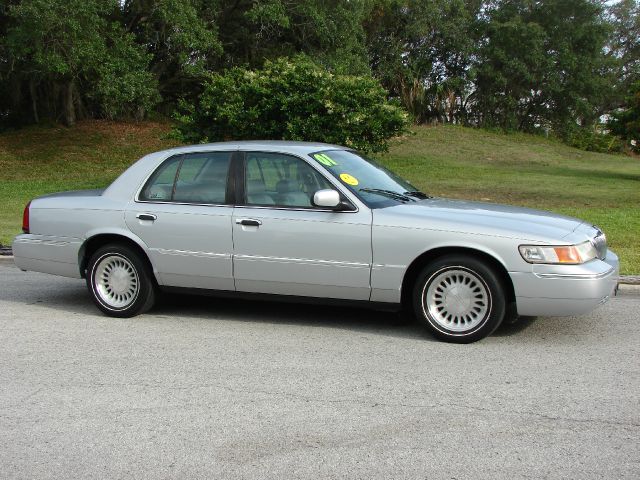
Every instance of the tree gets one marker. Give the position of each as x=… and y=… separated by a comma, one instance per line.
x=511, y=70
x=421, y=52
x=626, y=123
x=330, y=31
x=624, y=41
x=623, y=52
x=553, y=65
x=181, y=38
x=542, y=64
x=75, y=60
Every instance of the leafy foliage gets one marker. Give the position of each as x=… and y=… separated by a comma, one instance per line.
x=556, y=66
x=292, y=100
x=181, y=39
x=421, y=51
x=593, y=139
x=541, y=64
x=624, y=42
x=331, y=31
x=626, y=123
x=71, y=53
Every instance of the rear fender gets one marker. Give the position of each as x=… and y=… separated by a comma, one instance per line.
x=112, y=235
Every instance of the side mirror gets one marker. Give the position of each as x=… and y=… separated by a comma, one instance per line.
x=326, y=198
x=331, y=199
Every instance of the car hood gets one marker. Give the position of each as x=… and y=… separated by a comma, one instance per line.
x=478, y=218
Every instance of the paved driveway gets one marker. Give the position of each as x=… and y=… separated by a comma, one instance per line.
x=206, y=388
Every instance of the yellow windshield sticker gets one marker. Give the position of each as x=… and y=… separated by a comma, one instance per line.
x=325, y=159
x=348, y=179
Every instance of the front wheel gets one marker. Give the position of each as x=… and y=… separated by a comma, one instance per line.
x=120, y=282
x=459, y=298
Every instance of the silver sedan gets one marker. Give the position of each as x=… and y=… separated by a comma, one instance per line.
x=315, y=222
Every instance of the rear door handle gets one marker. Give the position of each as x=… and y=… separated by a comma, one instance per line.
x=248, y=222
x=146, y=216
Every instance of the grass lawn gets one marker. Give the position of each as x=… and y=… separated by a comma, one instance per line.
x=39, y=160
x=447, y=161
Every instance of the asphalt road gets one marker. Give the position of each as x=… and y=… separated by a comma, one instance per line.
x=207, y=388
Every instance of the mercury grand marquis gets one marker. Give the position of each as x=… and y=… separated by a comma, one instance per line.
x=313, y=221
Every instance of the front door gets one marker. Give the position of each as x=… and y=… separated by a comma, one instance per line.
x=284, y=245
x=183, y=214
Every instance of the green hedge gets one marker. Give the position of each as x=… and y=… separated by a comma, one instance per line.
x=593, y=140
x=292, y=99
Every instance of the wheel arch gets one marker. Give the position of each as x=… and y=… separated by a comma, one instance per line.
x=422, y=260
x=99, y=239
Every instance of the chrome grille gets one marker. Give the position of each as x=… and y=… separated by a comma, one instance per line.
x=600, y=244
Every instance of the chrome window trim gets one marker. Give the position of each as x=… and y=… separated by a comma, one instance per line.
x=265, y=207
x=298, y=209
x=229, y=205
x=331, y=180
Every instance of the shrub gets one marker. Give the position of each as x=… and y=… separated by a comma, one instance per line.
x=592, y=139
x=292, y=99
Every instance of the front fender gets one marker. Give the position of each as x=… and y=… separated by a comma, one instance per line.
x=396, y=249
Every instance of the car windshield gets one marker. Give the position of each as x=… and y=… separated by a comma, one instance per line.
x=376, y=186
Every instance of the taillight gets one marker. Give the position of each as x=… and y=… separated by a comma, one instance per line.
x=25, y=218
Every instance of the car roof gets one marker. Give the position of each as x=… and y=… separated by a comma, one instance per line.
x=262, y=145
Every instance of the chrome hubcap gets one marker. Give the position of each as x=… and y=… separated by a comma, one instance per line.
x=457, y=299
x=116, y=281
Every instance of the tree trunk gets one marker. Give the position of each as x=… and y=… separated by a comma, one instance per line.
x=34, y=100
x=81, y=110
x=69, y=105
x=53, y=100
x=15, y=96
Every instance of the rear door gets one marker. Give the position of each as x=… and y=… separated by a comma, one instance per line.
x=183, y=214
x=284, y=245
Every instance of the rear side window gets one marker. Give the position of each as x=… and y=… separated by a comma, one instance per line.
x=192, y=178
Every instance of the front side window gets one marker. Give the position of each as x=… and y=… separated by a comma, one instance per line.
x=375, y=185
x=191, y=178
x=275, y=179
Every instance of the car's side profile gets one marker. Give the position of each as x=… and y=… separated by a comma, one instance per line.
x=315, y=221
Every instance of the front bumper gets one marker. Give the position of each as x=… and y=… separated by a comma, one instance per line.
x=563, y=290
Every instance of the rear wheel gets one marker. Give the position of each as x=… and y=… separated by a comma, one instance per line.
x=459, y=298
x=120, y=282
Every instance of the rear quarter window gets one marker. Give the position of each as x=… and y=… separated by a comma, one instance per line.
x=159, y=187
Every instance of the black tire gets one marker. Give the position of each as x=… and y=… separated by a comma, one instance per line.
x=468, y=308
x=120, y=282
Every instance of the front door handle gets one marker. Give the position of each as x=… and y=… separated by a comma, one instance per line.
x=146, y=216
x=248, y=222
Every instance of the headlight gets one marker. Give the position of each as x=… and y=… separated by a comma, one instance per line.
x=565, y=254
